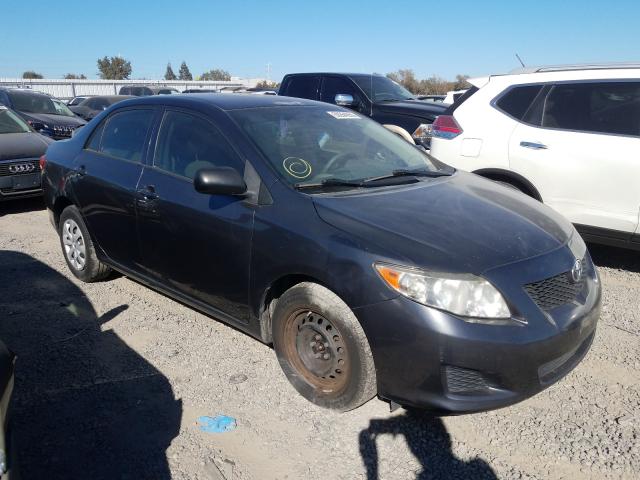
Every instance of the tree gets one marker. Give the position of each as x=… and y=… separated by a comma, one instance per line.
x=184, y=73
x=114, y=68
x=169, y=75
x=267, y=84
x=31, y=74
x=407, y=79
x=73, y=76
x=435, y=85
x=216, y=74
x=461, y=82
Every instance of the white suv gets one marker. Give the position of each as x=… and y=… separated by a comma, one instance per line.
x=568, y=136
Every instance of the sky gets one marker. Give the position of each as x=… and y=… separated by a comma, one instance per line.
x=241, y=36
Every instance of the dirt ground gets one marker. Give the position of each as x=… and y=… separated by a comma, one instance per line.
x=112, y=377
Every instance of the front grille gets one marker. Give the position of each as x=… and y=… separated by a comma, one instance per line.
x=556, y=291
x=20, y=166
x=63, y=131
x=464, y=380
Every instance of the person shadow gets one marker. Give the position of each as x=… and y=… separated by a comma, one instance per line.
x=85, y=405
x=429, y=441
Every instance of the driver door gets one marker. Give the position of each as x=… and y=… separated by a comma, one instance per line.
x=198, y=245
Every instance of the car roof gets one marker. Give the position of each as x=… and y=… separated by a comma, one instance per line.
x=28, y=91
x=577, y=66
x=338, y=73
x=223, y=101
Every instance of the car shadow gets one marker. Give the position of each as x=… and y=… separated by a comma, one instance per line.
x=613, y=257
x=85, y=404
x=429, y=441
x=23, y=205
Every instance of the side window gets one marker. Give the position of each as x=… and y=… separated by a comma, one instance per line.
x=598, y=107
x=517, y=101
x=304, y=86
x=187, y=143
x=331, y=86
x=125, y=134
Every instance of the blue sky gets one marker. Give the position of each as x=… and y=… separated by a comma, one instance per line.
x=443, y=38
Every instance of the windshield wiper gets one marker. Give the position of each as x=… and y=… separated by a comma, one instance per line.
x=329, y=182
x=420, y=172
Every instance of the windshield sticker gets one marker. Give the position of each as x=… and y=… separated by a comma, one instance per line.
x=297, y=167
x=342, y=115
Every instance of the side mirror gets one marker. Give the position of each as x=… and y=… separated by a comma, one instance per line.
x=345, y=100
x=219, y=181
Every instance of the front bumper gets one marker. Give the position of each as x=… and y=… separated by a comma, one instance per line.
x=22, y=184
x=431, y=359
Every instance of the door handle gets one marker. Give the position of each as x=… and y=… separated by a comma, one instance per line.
x=148, y=192
x=533, y=145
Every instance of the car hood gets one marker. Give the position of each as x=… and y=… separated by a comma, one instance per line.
x=49, y=119
x=417, y=108
x=22, y=145
x=461, y=223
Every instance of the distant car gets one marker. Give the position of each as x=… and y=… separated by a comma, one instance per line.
x=432, y=98
x=200, y=90
x=371, y=267
x=7, y=367
x=567, y=135
x=92, y=106
x=20, y=151
x=375, y=96
x=77, y=100
x=144, y=90
x=44, y=113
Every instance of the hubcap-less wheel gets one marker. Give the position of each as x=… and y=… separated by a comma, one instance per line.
x=317, y=351
x=74, y=246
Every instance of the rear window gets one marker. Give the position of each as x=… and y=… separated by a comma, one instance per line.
x=460, y=100
x=304, y=86
x=516, y=101
x=597, y=107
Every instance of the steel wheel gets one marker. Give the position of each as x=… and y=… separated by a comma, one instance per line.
x=74, y=244
x=317, y=351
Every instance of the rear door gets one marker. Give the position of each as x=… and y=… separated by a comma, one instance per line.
x=106, y=174
x=579, y=144
x=196, y=244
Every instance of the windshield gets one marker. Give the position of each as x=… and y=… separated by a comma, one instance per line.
x=382, y=89
x=309, y=145
x=37, y=103
x=62, y=109
x=12, y=123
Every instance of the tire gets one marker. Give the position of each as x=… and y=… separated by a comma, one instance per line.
x=78, y=249
x=322, y=348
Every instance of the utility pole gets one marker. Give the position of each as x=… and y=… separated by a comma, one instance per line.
x=269, y=72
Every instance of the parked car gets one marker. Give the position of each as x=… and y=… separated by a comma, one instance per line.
x=20, y=150
x=92, y=106
x=200, y=90
x=375, y=96
x=314, y=228
x=49, y=117
x=568, y=136
x=77, y=100
x=144, y=90
x=7, y=367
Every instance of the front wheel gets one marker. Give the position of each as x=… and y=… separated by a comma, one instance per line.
x=78, y=248
x=322, y=348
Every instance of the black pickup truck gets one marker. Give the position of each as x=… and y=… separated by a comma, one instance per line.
x=375, y=96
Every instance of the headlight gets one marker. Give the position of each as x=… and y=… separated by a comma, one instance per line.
x=462, y=294
x=423, y=132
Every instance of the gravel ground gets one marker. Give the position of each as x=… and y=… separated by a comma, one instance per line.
x=112, y=377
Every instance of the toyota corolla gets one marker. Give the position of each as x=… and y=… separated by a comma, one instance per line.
x=372, y=268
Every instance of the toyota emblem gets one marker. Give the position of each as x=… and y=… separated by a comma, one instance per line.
x=576, y=271
x=21, y=168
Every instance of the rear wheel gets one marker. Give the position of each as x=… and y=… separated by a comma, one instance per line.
x=78, y=248
x=322, y=348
